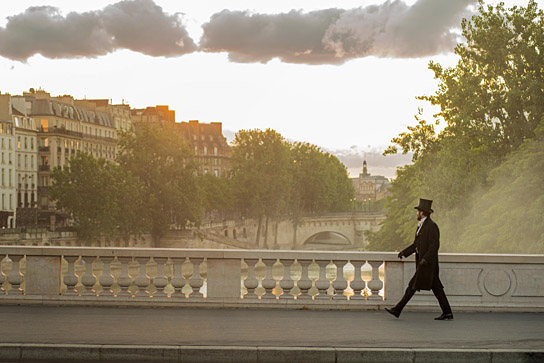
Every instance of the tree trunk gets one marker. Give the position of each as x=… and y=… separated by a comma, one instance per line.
x=295, y=227
x=276, y=234
x=257, y=238
x=266, y=234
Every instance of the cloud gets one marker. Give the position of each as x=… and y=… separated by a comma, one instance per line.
x=138, y=25
x=293, y=37
x=333, y=36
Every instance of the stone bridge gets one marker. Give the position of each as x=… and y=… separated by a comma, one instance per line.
x=62, y=304
x=340, y=231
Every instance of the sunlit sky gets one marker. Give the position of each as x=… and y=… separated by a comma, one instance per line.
x=357, y=106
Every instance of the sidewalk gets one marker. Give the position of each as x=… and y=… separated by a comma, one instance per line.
x=246, y=328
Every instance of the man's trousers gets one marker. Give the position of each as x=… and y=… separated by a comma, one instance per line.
x=438, y=291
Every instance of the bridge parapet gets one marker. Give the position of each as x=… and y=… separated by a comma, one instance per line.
x=260, y=278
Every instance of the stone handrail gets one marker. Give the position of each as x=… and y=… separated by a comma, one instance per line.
x=261, y=278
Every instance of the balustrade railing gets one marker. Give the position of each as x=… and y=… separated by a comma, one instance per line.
x=247, y=277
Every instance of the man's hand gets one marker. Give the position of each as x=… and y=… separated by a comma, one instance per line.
x=400, y=255
x=423, y=262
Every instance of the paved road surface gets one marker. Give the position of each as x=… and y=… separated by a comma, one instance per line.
x=268, y=327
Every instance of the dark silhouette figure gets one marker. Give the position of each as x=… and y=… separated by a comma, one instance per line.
x=425, y=246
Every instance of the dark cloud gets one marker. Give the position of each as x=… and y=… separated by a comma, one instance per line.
x=332, y=36
x=293, y=37
x=138, y=25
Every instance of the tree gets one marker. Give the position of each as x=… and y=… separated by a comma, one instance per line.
x=319, y=183
x=162, y=163
x=492, y=101
x=85, y=190
x=260, y=167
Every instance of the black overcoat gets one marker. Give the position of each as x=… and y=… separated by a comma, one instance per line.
x=425, y=246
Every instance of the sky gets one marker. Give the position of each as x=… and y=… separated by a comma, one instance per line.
x=343, y=75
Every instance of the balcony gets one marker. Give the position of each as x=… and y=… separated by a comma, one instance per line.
x=43, y=189
x=44, y=168
x=44, y=148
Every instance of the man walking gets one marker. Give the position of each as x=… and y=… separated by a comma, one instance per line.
x=426, y=245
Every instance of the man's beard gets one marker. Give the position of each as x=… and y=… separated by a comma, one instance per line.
x=419, y=217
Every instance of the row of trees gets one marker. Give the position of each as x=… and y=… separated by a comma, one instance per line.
x=155, y=182
x=485, y=169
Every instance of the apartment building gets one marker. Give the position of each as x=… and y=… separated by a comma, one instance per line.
x=64, y=128
x=208, y=144
x=26, y=163
x=7, y=166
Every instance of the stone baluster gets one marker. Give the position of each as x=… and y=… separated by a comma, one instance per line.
x=142, y=280
x=305, y=283
x=88, y=279
x=71, y=279
x=178, y=281
x=287, y=282
x=375, y=285
x=251, y=282
x=196, y=280
x=269, y=283
x=124, y=280
x=160, y=281
x=358, y=284
x=15, y=278
x=322, y=283
x=106, y=279
x=339, y=284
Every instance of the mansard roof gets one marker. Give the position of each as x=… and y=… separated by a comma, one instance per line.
x=45, y=107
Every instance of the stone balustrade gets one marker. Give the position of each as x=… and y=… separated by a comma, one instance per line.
x=260, y=278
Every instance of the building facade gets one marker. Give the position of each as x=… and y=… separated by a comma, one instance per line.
x=64, y=128
x=208, y=144
x=369, y=189
x=7, y=167
x=26, y=163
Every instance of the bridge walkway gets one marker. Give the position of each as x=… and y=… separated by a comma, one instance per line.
x=235, y=328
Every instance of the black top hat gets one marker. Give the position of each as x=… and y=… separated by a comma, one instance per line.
x=425, y=205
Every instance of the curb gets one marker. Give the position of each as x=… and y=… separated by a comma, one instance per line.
x=156, y=353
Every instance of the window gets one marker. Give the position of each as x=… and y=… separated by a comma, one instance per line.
x=205, y=171
x=32, y=144
x=18, y=142
x=205, y=150
x=26, y=142
x=216, y=172
x=196, y=150
x=10, y=184
x=18, y=161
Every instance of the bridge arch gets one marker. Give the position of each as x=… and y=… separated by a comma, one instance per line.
x=327, y=238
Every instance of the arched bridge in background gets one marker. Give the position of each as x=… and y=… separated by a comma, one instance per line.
x=339, y=231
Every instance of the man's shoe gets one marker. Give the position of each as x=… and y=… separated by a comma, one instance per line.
x=448, y=316
x=393, y=312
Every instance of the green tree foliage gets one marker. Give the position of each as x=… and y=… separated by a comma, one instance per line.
x=509, y=217
x=86, y=190
x=260, y=167
x=492, y=102
x=162, y=163
x=273, y=178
